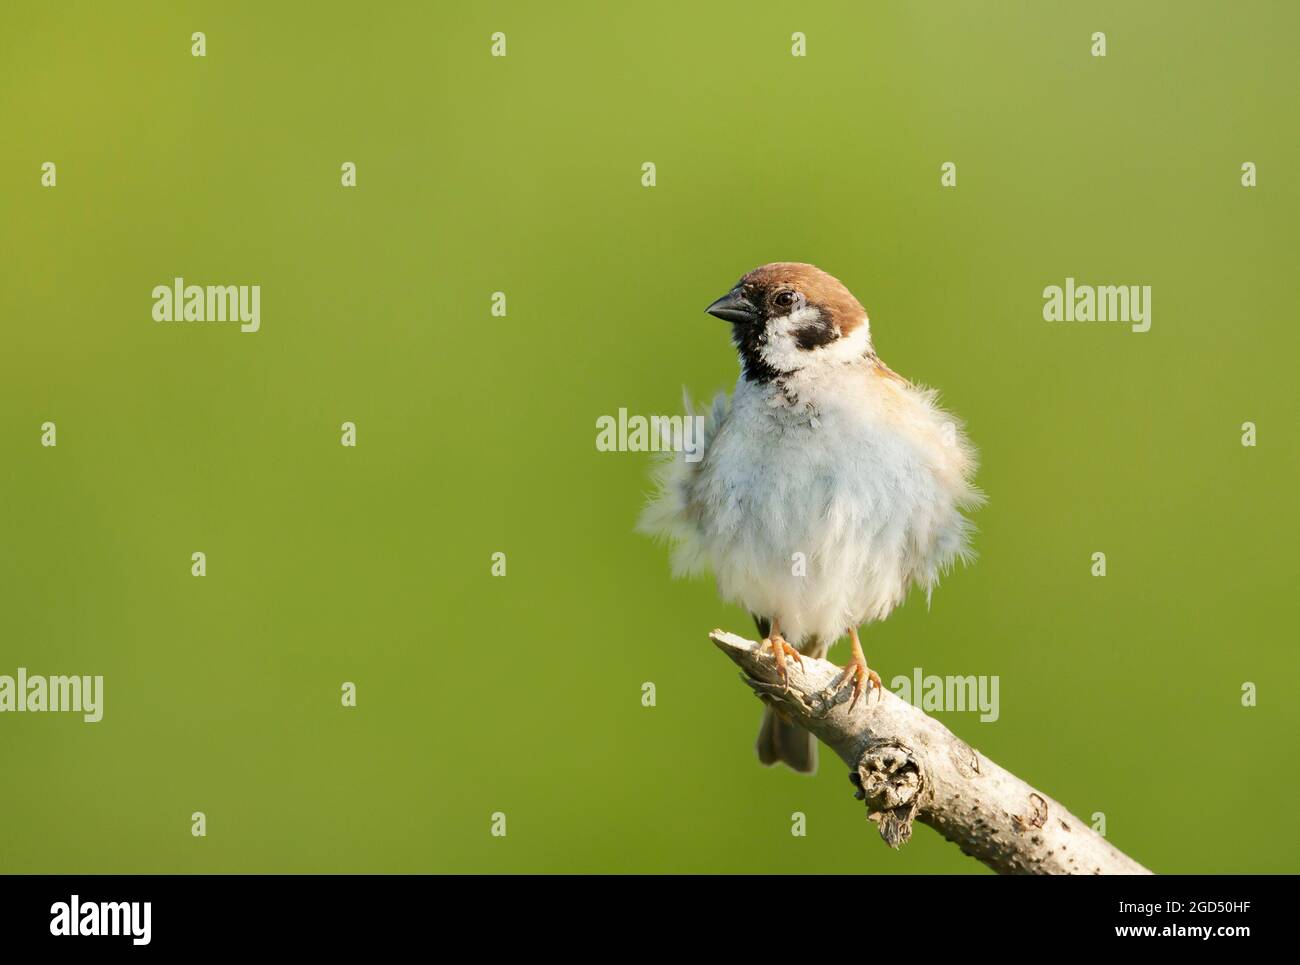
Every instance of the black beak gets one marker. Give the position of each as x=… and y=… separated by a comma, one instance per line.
x=734, y=307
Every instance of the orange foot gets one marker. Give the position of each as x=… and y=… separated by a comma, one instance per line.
x=857, y=669
x=781, y=650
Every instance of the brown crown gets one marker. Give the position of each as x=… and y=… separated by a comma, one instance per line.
x=821, y=289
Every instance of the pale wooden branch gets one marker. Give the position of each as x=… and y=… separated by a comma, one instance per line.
x=908, y=766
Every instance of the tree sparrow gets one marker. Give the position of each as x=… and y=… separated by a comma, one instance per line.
x=828, y=486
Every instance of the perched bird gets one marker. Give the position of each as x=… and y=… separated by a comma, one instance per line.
x=827, y=486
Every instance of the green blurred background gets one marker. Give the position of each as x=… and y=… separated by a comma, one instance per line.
x=476, y=434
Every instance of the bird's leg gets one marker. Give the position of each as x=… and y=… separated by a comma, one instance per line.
x=858, y=670
x=780, y=649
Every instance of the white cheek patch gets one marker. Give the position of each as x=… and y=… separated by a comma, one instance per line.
x=854, y=345
x=782, y=350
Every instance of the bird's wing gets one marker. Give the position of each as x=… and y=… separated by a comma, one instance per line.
x=942, y=447
x=880, y=370
x=667, y=516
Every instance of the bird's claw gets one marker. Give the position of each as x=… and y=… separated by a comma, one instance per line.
x=780, y=650
x=858, y=670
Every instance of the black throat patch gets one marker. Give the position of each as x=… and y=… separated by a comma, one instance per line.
x=749, y=340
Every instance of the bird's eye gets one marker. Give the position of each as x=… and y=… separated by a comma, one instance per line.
x=784, y=299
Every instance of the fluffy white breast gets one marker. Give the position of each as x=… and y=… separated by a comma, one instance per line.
x=821, y=498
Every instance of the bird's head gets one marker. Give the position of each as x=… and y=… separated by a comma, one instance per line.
x=787, y=316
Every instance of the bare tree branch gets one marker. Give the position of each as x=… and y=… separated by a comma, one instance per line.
x=908, y=766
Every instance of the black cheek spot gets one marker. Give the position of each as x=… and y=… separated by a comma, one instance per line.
x=816, y=334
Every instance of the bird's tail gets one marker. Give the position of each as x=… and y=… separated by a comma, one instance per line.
x=788, y=743
x=778, y=740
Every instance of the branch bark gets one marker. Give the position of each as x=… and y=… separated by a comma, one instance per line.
x=909, y=767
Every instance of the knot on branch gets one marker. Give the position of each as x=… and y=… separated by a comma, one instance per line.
x=890, y=779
